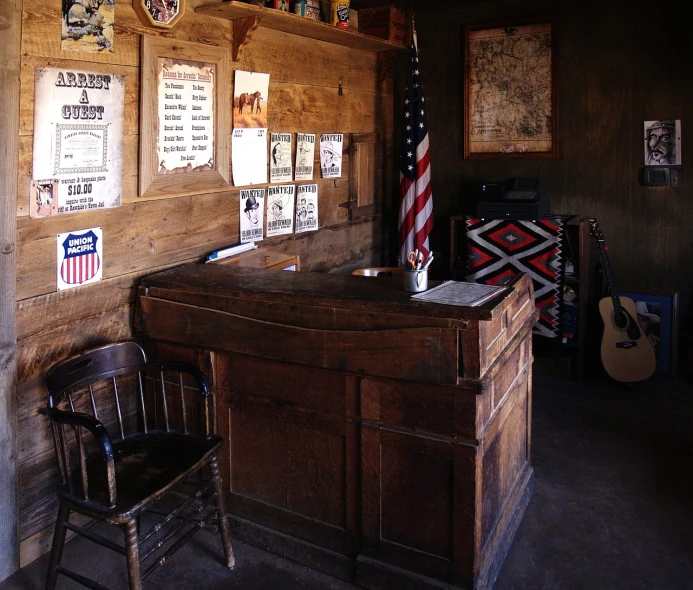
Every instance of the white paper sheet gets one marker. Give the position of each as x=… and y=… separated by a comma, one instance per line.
x=249, y=156
x=280, y=209
x=280, y=157
x=252, y=209
x=306, y=208
x=331, y=154
x=305, y=156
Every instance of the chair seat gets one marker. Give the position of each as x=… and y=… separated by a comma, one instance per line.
x=146, y=466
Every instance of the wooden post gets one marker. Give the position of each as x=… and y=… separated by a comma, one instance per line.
x=11, y=34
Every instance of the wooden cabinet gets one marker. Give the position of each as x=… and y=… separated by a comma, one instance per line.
x=566, y=353
x=381, y=439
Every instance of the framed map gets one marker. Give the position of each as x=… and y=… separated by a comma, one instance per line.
x=510, y=90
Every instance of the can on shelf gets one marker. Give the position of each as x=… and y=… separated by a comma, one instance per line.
x=339, y=13
x=300, y=7
x=313, y=9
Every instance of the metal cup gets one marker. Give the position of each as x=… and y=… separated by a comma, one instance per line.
x=415, y=281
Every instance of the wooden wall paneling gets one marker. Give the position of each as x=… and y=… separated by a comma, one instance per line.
x=359, y=245
x=145, y=235
x=281, y=53
x=42, y=22
x=316, y=109
x=36, y=353
x=33, y=546
x=10, y=31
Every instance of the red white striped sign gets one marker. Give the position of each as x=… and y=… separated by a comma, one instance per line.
x=79, y=257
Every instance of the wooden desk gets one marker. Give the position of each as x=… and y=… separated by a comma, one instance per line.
x=368, y=435
x=262, y=258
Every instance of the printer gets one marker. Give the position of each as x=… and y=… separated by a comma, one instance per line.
x=519, y=198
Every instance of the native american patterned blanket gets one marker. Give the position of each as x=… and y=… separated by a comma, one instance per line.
x=500, y=249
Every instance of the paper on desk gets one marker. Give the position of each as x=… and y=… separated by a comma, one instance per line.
x=459, y=293
x=249, y=156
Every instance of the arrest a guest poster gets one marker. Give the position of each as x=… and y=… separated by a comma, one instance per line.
x=78, y=141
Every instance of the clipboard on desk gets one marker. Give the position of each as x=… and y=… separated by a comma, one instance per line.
x=460, y=293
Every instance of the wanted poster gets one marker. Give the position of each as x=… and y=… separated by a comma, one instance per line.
x=78, y=139
x=252, y=206
x=280, y=210
x=185, y=142
x=306, y=207
x=80, y=258
x=280, y=157
x=305, y=155
x=331, y=155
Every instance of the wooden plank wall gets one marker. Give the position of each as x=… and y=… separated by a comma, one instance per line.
x=612, y=76
x=148, y=234
x=10, y=31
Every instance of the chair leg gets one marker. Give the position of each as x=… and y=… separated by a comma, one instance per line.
x=58, y=544
x=221, y=513
x=132, y=554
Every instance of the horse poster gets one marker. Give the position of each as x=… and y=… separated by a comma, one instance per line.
x=250, y=104
x=249, y=137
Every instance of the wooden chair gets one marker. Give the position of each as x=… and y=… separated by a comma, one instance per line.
x=132, y=437
x=396, y=272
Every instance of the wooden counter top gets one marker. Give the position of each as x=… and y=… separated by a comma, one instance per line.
x=319, y=289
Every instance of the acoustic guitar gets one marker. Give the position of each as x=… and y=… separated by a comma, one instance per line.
x=627, y=353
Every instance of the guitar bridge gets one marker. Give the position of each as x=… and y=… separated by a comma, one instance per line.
x=626, y=344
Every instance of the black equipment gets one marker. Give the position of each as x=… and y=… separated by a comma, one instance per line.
x=524, y=200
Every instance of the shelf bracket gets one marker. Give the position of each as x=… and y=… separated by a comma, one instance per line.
x=385, y=61
x=242, y=31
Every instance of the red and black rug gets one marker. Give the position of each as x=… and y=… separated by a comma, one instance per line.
x=500, y=249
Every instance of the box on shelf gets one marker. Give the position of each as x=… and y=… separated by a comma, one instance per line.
x=353, y=19
x=385, y=22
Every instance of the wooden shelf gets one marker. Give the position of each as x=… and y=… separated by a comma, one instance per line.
x=297, y=25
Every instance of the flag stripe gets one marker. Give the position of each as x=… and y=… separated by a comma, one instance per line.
x=416, y=199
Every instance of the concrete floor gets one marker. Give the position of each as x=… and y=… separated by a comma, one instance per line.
x=612, y=507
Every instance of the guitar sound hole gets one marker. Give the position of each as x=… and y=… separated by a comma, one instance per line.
x=620, y=320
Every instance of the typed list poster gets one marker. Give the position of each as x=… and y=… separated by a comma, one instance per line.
x=186, y=116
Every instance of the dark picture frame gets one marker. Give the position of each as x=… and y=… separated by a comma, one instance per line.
x=658, y=316
x=510, y=98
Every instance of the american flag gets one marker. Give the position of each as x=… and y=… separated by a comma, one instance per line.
x=416, y=201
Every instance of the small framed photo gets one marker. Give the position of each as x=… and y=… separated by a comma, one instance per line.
x=658, y=316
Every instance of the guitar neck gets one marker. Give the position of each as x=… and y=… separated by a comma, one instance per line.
x=604, y=252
